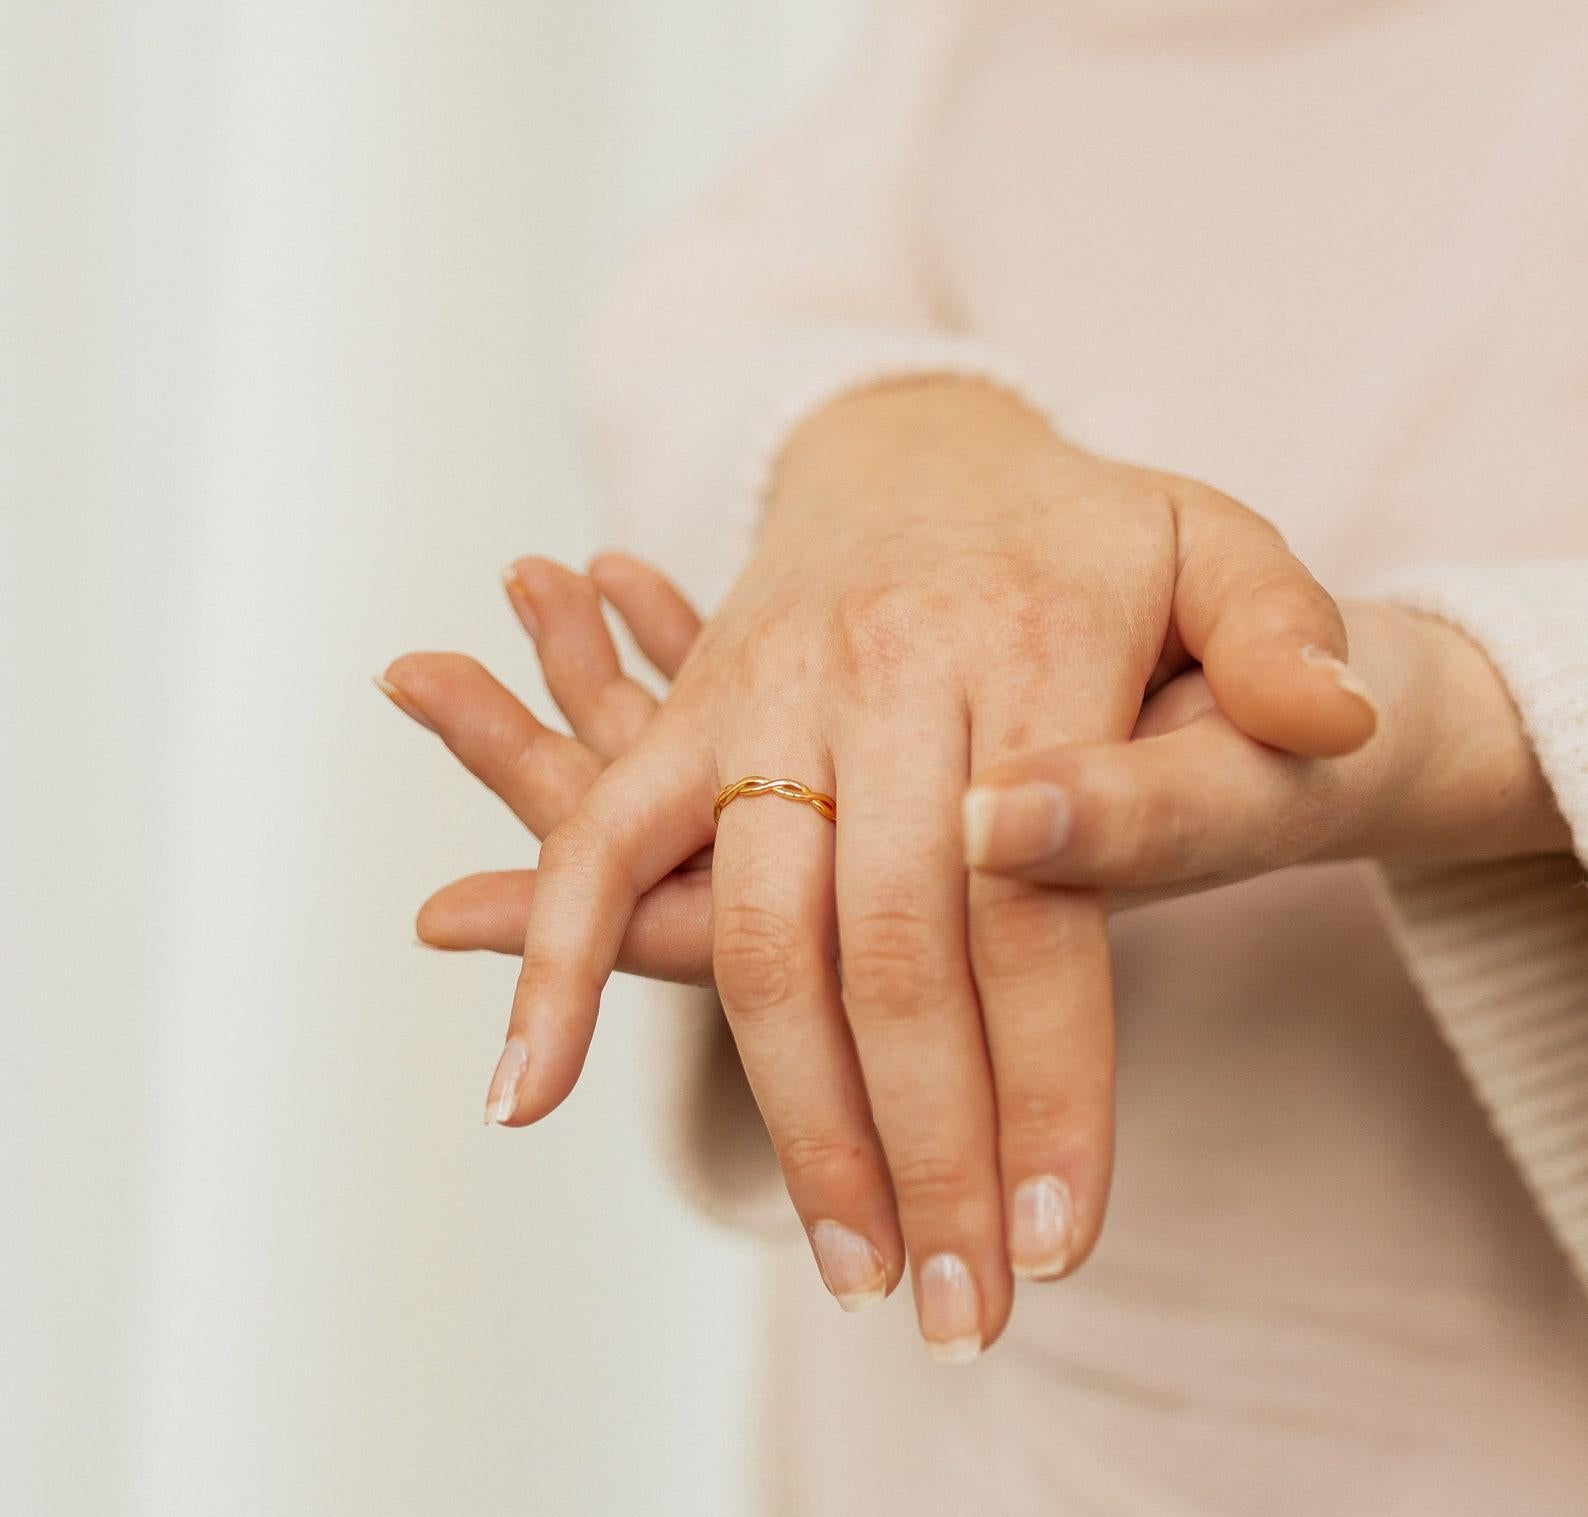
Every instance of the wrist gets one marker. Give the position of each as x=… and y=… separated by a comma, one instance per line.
x=899, y=447
x=1457, y=780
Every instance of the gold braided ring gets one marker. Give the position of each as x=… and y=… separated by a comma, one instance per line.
x=790, y=790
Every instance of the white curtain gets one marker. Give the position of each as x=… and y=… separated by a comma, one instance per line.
x=287, y=293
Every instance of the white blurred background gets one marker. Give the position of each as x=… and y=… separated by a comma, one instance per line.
x=288, y=291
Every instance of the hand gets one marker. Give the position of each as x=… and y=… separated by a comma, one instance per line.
x=850, y=631
x=541, y=775
x=1194, y=803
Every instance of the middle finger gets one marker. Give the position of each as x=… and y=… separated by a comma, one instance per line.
x=561, y=611
x=912, y=1005
x=774, y=951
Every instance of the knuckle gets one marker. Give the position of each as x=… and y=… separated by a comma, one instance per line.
x=1143, y=503
x=521, y=748
x=1155, y=500
x=1145, y=823
x=818, y=1162
x=1232, y=519
x=877, y=627
x=1121, y=825
x=1039, y=1114
x=891, y=957
x=1289, y=597
x=1262, y=530
x=575, y=845
x=553, y=972
x=935, y=1183
x=1012, y=932
x=1200, y=496
x=755, y=957
x=773, y=651
x=1027, y=623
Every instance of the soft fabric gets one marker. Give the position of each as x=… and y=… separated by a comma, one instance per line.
x=1331, y=256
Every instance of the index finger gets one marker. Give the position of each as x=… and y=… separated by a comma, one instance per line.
x=646, y=814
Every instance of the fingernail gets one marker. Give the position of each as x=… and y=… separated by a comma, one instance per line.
x=1343, y=674
x=403, y=703
x=1015, y=824
x=502, y=1100
x=851, y=1268
x=950, y=1309
x=520, y=599
x=1039, y=1228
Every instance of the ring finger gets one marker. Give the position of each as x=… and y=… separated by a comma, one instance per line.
x=774, y=955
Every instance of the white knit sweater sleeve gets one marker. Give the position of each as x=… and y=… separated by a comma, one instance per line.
x=1501, y=950
x=800, y=275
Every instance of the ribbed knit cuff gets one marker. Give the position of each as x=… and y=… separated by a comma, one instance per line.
x=1500, y=951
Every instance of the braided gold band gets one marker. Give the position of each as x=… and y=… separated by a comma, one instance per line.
x=790, y=790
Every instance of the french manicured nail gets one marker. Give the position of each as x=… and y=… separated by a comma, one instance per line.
x=1343, y=674
x=402, y=702
x=502, y=1100
x=1015, y=824
x=950, y=1309
x=520, y=599
x=1039, y=1228
x=851, y=1268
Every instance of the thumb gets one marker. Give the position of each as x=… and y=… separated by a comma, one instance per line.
x=1269, y=637
x=1199, y=805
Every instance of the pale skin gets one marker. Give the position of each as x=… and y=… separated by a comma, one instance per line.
x=1142, y=690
